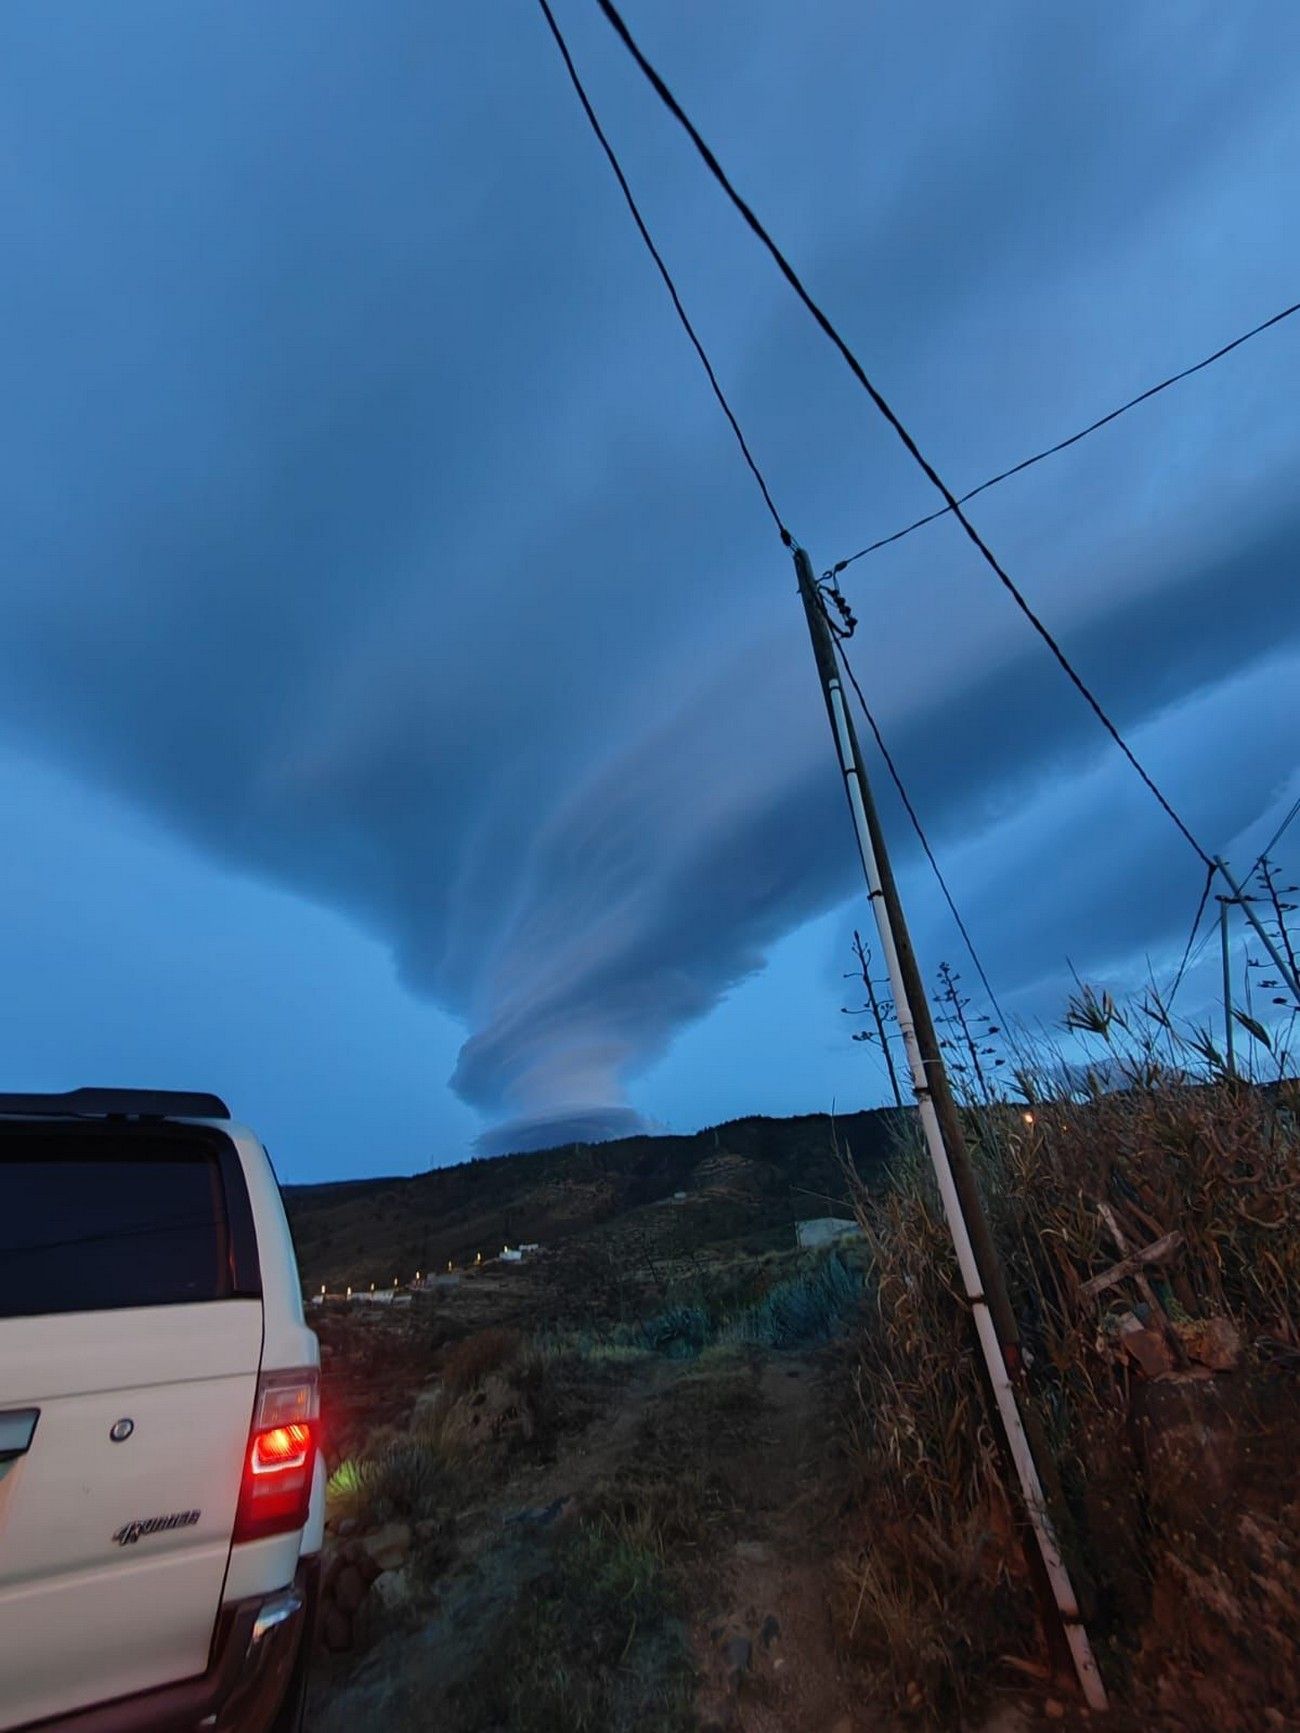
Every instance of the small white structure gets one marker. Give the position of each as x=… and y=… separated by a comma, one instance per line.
x=512, y=1255
x=826, y=1231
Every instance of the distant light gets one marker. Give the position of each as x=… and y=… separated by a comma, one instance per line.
x=1028, y=1118
x=349, y=1293
x=417, y=1275
x=322, y=1287
x=448, y=1263
x=372, y=1287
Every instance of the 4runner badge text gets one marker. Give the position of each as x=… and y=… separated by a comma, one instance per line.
x=130, y=1532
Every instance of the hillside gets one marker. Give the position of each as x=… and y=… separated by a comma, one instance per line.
x=749, y=1177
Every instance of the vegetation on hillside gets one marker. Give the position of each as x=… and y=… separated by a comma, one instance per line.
x=750, y=1176
x=1171, y=1408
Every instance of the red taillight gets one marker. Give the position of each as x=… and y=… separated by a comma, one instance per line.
x=276, y=1490
x=280, y=1448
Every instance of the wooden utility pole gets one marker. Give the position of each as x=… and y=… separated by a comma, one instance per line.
x=977, y=1259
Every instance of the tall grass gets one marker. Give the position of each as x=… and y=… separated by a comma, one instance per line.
x=935, y=1594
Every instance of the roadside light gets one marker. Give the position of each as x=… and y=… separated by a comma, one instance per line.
x=417, y=1275
x=349, y=1293
x=322, y=1287
x=372, y=1287
x=1028, y=1118
x=448, y=1263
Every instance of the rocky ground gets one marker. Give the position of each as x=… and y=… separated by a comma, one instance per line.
x=556, y=1540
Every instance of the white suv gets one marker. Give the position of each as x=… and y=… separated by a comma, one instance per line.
x=161, y=1486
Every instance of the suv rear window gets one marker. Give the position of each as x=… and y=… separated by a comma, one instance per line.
x=96, y=1218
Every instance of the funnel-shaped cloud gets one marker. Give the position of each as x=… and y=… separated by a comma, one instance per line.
x=367, y=521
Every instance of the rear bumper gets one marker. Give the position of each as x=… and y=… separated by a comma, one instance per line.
x=257, y=1648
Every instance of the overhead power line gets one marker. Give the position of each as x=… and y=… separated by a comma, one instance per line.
x=1276, y=838
x=1074, y=438
x=855, y=367
x=896, y=778
x=1191, y=937
x=662, y=268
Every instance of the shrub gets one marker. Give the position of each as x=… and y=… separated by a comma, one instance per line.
x=810, y=1306
x=468, y=1362
x=398, y=1478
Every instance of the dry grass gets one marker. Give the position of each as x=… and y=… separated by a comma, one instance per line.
x=468, y=1362
x=935, y=1593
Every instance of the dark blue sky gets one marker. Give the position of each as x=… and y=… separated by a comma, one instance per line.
x=406, y=723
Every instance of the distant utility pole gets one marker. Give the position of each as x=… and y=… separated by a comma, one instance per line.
x=1228, y=1035
x=1288, y=974
x=981, y=1269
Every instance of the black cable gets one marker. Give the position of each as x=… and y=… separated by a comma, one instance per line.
x=855, y=367
x=1276, y=838
x=919, y=829
x=1191, y=937
x=1064, y=444
x=671, y=287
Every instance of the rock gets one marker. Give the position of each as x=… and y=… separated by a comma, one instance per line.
x=1147, y=1347
x=392, y=1591
x=1189, y=1431
x=1212, y=1342
x=335, y=1629
x=543, y=1515
x=738, y=1652
x=427, y=1402
x=497, y=1413
x=388, y=1546
x=349, y=1589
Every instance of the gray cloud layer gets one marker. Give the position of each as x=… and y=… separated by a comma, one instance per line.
x=366, y=517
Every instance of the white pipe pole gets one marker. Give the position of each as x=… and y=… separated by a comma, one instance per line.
x=1085, y=1666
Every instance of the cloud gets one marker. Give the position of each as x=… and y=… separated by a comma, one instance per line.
x=368, y=524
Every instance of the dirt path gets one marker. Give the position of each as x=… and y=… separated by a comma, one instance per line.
x=766, y=1652
x=750, y=1438
x=503, y=1545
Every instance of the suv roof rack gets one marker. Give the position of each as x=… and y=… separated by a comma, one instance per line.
x=108, y=1103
